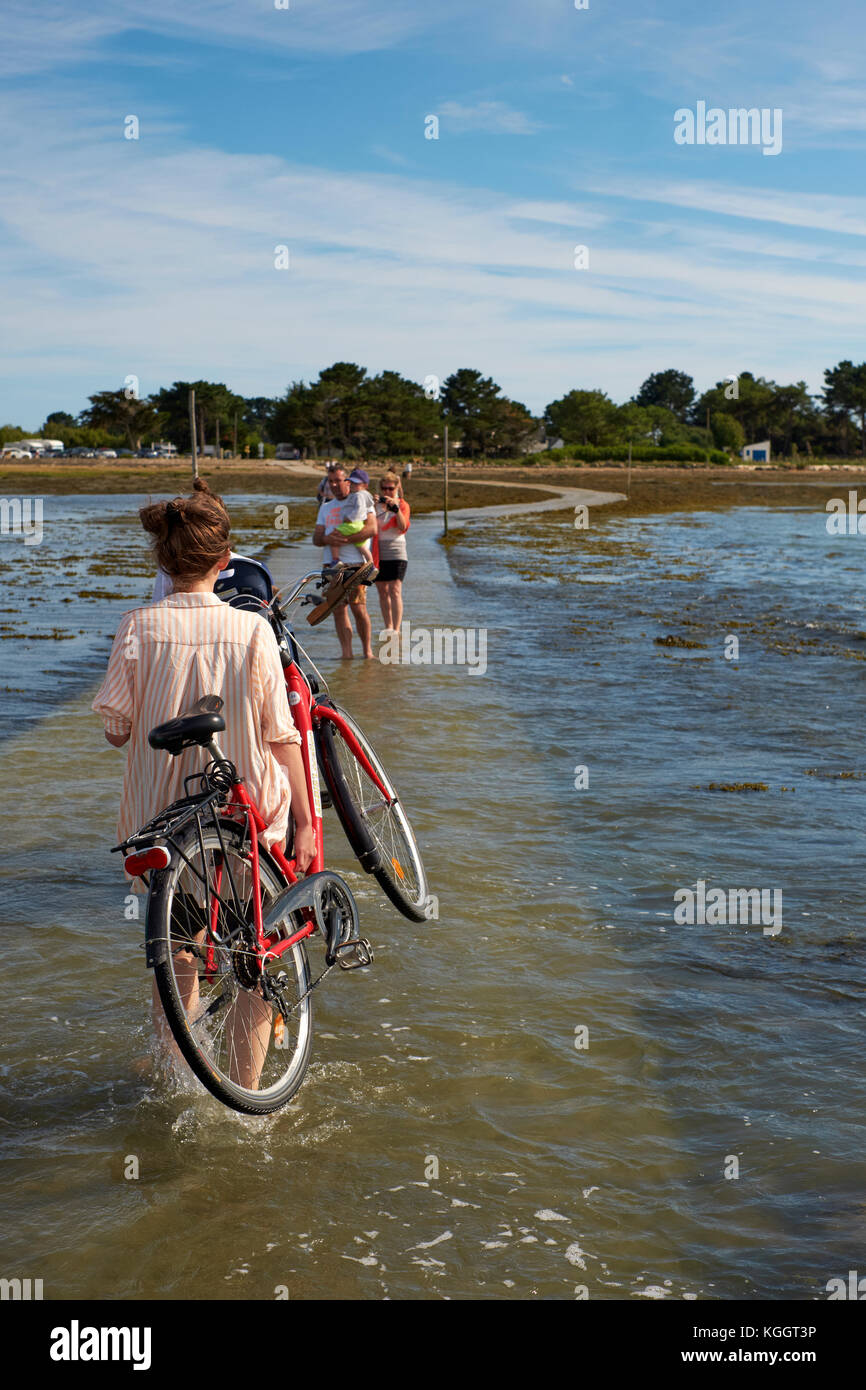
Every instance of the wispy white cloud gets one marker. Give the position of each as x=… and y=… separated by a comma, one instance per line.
x=788, y=53
x=128, y=259
x=828, y=212
x=492, y=117
x=391, y=156
x=52, y=34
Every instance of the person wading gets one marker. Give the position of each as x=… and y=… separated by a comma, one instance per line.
x=165, y=657
x=331, y=515
x=389, y=554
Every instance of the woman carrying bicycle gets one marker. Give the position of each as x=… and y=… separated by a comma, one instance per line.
x=169, y=654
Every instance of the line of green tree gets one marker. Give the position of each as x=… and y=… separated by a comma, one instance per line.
x=349, y=413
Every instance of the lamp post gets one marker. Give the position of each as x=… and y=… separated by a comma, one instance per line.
x=445, y=481
x=192, y=436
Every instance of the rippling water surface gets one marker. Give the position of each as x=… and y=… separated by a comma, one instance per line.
x=455, y=1138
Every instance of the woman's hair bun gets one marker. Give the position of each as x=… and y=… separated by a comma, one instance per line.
x=190, y=534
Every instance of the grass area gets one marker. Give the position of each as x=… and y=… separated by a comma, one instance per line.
x=651, y=488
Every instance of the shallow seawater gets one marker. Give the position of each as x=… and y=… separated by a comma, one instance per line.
x=544, y=1089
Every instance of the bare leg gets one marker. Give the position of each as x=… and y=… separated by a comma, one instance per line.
x=186, y=975
x=344, y=632
x=248, y=1027
x=385, y=604
x=248, y=1023
x=396, y=587
x=365, y=628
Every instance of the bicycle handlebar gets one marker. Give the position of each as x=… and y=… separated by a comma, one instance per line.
x=302, y=583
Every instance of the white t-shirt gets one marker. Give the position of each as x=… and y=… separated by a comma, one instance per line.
x=356, y=507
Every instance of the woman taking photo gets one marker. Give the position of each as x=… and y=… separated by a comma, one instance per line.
x=169, y=654
x=389, y=550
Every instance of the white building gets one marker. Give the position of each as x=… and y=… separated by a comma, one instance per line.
x=41, y=446
x=756, y=453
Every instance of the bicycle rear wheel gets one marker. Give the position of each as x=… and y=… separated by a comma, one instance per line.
x=378, y=831
x=248, y=1040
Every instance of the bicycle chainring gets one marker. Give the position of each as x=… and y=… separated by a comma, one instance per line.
x=245, y=961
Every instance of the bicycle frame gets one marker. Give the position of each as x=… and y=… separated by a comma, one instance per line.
x=308, y=712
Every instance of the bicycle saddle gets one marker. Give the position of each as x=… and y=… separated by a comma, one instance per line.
x=197, y=726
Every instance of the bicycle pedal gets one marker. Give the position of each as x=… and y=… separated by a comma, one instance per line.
x=355, y=954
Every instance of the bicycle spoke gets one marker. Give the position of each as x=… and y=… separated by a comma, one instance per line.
x=214, y=964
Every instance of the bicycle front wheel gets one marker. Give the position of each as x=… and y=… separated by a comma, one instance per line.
x=377, y=830
x=247, y=1037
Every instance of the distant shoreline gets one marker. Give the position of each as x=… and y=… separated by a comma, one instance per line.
x=651, y=487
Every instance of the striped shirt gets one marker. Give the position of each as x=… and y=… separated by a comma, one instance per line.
x=164, y=658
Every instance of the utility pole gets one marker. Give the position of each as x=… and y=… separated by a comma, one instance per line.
x=628, y=480
x=192, y=438
x=235, y=438
x=218, y=454
x=445, y=481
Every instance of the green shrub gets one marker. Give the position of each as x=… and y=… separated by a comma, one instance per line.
x=641, y=453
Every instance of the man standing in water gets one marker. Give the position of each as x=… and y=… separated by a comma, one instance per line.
x=331, y=515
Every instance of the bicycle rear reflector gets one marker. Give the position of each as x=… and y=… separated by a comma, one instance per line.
x=157, y=857
x=398, y=869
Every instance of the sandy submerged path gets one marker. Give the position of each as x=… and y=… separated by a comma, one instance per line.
x=568, y=498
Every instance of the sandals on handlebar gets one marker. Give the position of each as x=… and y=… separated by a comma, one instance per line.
x=343, y=581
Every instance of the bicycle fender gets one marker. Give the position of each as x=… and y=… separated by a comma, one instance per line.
x=155, y=944
x=309, y=893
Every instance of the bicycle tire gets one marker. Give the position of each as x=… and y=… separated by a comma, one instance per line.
x=172, y=906
x=390, y=854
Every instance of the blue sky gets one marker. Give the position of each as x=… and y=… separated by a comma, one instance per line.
x=305, y=127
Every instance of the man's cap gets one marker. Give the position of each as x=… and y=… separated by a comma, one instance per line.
x=359, y=475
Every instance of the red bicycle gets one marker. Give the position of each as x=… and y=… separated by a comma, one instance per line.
x=228, y=922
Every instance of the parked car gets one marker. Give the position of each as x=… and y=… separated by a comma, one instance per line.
x=13, y=453
x=106, y=453
x=126, y=453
